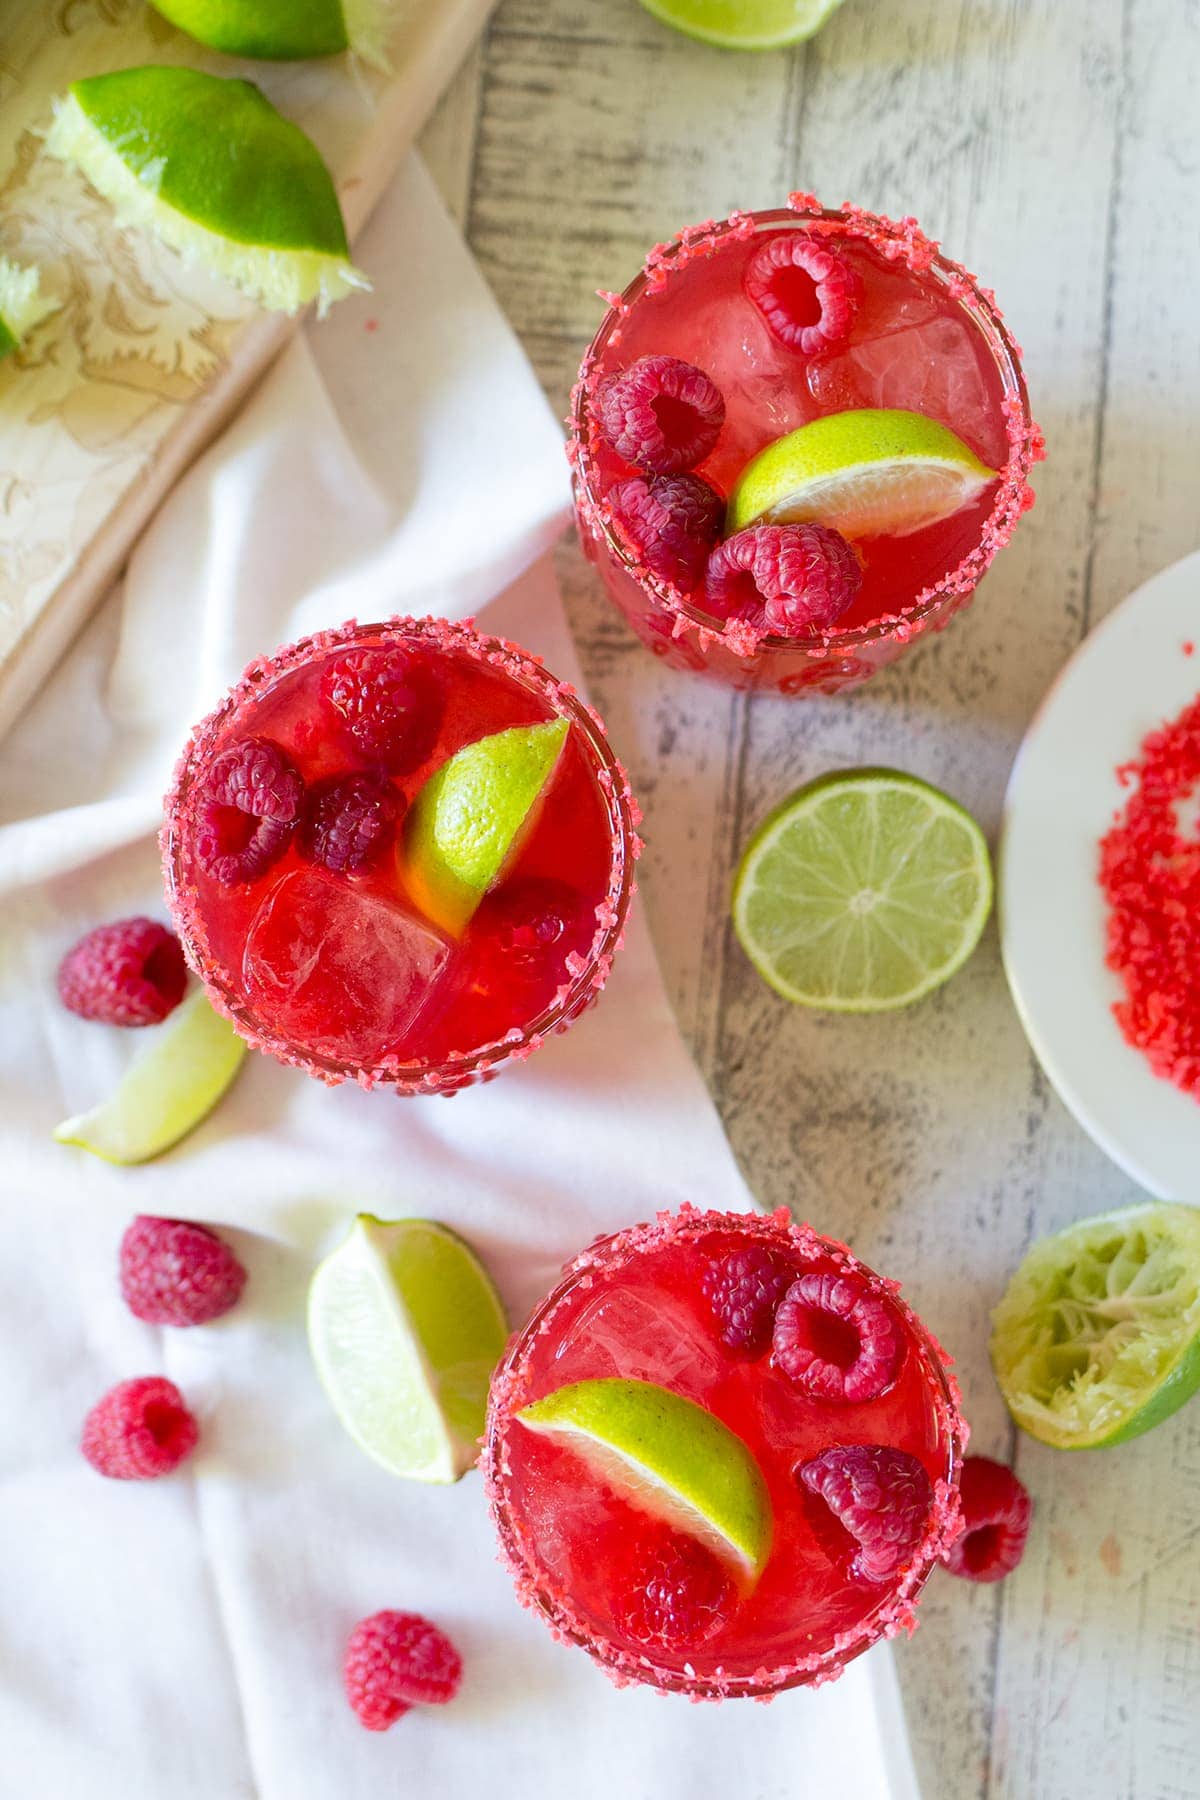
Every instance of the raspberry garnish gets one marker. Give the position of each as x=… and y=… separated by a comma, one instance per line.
x=743, y=1289
x=389, y=704
x=248, y=811
x=661, y=414
x=131, y=972
x=348, y=821
x=881, y=1498
x=671, y=523
x=141, y=1429
x=790, y=579
x=996, y=1514
x=672, y=1593
x=173, y=1273
x=807, y=294
x=396, y=1660
x=836, y=1338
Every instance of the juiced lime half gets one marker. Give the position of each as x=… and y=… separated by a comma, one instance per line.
x=284, y=30
x=22, y=304
x=668, y=1456
x=744, y=24
x=868, y=473
x=166, y=1092
x=1097, y=1338
x=405, y=1329
x=469, y=819
x=209, y=166
x=862, y=892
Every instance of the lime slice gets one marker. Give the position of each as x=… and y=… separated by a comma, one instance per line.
x=870, y=473
x=405, y=1329
x=668, y=1456
x=744, y=24
x=167, y=1092
x=1097, y=1338
x=217, y=173
x=22, y=304
x=284, y=30
x=862, y=892
x=468, y=821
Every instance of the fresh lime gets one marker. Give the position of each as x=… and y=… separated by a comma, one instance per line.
x=284, y=30
x=469, y=819
x=668, y=1456
x=22, y=305
x=868, y=473
x=744, y=24
x=209, y=165
x=862, y=892
x=1097, y=1338
x=405, y=1329
x=167, y=1092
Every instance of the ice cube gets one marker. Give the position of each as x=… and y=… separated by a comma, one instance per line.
x=931, y=368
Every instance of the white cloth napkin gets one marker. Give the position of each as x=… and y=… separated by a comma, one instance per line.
x=184, y=1637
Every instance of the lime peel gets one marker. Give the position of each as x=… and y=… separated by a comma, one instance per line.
x=287, y=30
x=22, y=303
x=744, y=24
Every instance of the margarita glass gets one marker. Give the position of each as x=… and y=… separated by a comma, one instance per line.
x=587, y=1546
x=923, y=337
x=322, y=950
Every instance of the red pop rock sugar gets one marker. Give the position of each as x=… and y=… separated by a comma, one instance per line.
x=1150, y=875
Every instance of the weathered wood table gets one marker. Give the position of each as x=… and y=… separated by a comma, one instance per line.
x=1054, y=146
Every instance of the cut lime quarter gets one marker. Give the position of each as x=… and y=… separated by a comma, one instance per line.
x=862, y=892
x=744, y=24
x=22, y=304
x=286, y=30
x=1097, y=1338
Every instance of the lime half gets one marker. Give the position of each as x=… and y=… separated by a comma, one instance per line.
x=405, y=1329
x=862, y=892
x=668, y=1456
x=285, y=30
x=217, y=173
x=1097, y=1338
x=744, y=24
x=22, y=304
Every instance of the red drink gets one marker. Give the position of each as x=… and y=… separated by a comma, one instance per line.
x=317, y=948
x=635, y=1306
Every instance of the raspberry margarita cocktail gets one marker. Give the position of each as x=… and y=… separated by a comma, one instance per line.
x=799, y=437
x=723, y=1456
x=400, y=853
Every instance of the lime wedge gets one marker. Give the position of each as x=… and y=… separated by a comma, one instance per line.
x=1097, y=1338
x=285, y=30
x=22, y=304
x=217, y=173
x=862, y=892
x=744, y=24
x=468, y=821
x=869, y=473
x=405, y=1329
x=668, y=1456
x=166, y=1092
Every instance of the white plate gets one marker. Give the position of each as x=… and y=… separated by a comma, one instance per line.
x=1130, y=675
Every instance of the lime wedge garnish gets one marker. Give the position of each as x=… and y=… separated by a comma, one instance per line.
x=22, y=304
x=469, y=819
x=212, y=168
x=405, y=1329
x=744, y=24
x=284, y=30
x=862, y=892
x=166, y=1092
x=668, y=1456
x=868, y=473
x=1097, y=1338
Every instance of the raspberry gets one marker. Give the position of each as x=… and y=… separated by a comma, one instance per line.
x=348, y=821
x=671, y=522
x=996, y=1514
x=804, y=291
x=743, y=1290
x=836, y=1338
x=661, y=414
x=141, y=1429
x=396, y=1660
x=248, y=811
x=673, y=1593
x=131, y=972
x=173, y=1273
x=389, y=705
x=880, y=1497
x=791, y=579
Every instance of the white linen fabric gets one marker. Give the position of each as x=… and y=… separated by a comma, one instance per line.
x=184, y=1637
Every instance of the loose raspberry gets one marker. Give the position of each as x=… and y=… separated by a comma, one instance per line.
x=388, y=703
x=173, y=1273
x=396, y=1660
x=348, y=821
x=248, y=811
x=880, y=1497
x=129, y=973
x=141, y=1429
x=661, y=414
x=671, y=523
x=836, y=1338
x=743, y=1289
x=673, y=1594
x=807, y=294
x=996, y=1515
x=790, y=579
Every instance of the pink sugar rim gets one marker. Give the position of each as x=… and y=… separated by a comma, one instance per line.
x=588, y=974
x=510, y=1390
x=897, y=240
